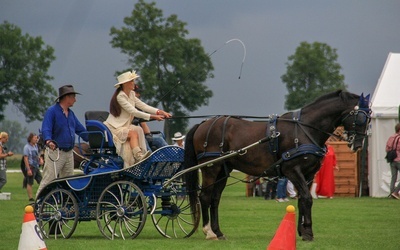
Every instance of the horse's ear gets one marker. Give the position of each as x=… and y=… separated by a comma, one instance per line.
x=364, y=101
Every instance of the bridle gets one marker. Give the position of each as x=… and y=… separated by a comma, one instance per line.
x=358, y=117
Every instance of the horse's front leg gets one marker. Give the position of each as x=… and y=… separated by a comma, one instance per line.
x=304, y=224
x=305, y=202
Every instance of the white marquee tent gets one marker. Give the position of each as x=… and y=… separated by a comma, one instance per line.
x=385, y=112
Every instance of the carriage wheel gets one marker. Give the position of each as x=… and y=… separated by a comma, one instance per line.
x=173, y=217
x=58, y=214
x=121, y=210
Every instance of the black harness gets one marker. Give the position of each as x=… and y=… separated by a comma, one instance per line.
x=273, y=140
x=360, y=116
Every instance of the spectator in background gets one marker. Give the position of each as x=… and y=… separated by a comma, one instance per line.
x=270, y=190
x=325, y=177
x=178, y=140
x=3, y=162
x=391, y=143
x=281, y=190
x=31, y=164
x=291, y=190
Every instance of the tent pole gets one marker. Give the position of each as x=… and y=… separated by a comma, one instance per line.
x=363, y=165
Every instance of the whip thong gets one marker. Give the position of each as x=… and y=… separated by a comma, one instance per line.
x=209, y=55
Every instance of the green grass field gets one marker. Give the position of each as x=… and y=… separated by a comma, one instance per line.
x=248, y=223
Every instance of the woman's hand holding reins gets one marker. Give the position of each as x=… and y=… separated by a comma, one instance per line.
x=161, y=115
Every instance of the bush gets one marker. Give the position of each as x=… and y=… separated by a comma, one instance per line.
x=14, y=161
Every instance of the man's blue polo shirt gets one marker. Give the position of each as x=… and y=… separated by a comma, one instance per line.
x=56, y=126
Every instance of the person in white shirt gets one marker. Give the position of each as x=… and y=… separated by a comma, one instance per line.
x=178, y=140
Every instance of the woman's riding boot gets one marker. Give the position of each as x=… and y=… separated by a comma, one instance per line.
x=138, y=155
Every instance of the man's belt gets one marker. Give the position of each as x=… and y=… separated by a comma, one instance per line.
x=66, y=149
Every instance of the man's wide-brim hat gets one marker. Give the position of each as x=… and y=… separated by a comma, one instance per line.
x=66, y=90
x=178, y=136
x=126, y=77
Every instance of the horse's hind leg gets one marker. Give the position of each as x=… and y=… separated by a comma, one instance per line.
x=214, y=181
x=215, y=199
x=205, y=202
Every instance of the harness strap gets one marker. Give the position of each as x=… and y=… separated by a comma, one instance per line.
x=221, y=145
x=209, y=130
x=277, y=167
x=296, y=118
x=208, y=154
x=307, y=133
x=302, y=150
x=271, y=132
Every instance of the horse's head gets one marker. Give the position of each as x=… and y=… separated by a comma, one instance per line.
x=356, y=123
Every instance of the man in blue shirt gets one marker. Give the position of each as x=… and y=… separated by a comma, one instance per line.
x=60, y=126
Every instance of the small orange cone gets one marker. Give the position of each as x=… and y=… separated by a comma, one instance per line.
x=31, y=237
x=285, y=236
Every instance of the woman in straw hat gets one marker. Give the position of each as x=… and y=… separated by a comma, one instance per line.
x=124, y=107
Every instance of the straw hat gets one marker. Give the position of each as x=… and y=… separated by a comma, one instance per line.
x=66, y=90
x=126, y=77
x=178, y=136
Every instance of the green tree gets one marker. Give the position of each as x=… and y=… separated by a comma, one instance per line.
x=24, y=61
x=172, y=67
x=311, y=72
x=16, y=135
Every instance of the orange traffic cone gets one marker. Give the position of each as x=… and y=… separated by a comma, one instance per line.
x=285, y=236
x=31, y=237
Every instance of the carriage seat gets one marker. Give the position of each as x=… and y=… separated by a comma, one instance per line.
x=96, y=115
x=100, y=137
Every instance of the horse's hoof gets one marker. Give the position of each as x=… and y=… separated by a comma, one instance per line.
x=222, y=237
x=308, y=238
x=211, y=237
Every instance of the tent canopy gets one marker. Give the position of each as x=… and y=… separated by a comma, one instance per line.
x=385, y=113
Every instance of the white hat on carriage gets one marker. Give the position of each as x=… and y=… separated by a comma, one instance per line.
x=126, y=77
x=178, y=136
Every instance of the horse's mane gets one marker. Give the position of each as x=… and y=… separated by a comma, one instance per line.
x=345, y=97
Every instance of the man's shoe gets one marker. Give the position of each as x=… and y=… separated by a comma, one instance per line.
x=396, y=196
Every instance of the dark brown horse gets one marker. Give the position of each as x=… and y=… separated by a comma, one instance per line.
x=294, y=146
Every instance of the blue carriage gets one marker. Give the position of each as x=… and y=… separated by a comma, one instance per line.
x=118, y=198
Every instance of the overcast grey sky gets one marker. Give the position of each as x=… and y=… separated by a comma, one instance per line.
x=363, y=32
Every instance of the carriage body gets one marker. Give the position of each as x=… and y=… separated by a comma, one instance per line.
x=118, y=198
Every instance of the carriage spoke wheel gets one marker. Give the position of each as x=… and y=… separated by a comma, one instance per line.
x=173, y=217
x=57, y=214
x=121, y=210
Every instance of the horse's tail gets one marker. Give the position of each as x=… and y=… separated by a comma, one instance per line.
x=192, y=177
